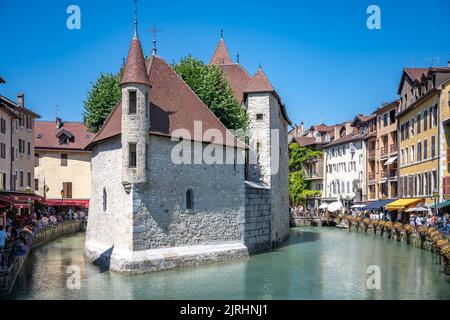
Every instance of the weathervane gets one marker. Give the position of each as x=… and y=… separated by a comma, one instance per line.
x=154, y=30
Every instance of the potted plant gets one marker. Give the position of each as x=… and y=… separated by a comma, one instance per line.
x=357, y=222
x=389, y=226
x=340, y=217
x=409, y=229
x=375, y=224
x=440, y=245
x=398, y=227
x=381, y=227
x=366, y=222
x=423, y=231
x=446, y=255
x=350, y=221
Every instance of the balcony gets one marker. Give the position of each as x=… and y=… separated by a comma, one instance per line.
x=393, y=148
x=313, y=176
x=393, y=174
x=371, y=154
x=384, y=174
x=384, y=151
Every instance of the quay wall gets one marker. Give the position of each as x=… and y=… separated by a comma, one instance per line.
x=8, y=275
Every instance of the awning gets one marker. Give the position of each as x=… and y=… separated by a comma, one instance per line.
x=390, y=161
x=442, y=204
x=67, y=203
x=402, y=203
x=335, y=206
x=323, y=206
x=377, y=205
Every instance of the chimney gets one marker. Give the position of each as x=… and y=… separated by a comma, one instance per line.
x=21, y=99
x=59, y=123
x=448, y=63
x=348, y=128
x=302, y=128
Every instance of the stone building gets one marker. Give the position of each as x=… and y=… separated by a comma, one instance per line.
x=62, y=166
x=156, y=202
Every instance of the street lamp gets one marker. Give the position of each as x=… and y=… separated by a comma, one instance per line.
x=435, y=196
x=62, y=200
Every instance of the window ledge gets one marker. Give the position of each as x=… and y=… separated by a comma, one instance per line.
x=191, y=211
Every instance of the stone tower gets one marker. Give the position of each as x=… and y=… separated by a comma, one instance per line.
x=269, y=141
x=135, y=86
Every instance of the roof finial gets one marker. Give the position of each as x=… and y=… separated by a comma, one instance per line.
x=135, y=19
x=260, y=67
x=237, y=57
x=154, y=30
x=221, y=33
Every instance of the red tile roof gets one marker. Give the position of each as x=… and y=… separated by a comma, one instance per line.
x=346, y=138
x=305, y=141
x=259, y=83
x=237, y=78
x=416, y=73
x=221, y=55
x=173, y=105
x=135, y=71
x=46, y=135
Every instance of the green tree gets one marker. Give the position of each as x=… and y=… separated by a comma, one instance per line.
x=299, y=187
x=209, y=85
x=101, y=100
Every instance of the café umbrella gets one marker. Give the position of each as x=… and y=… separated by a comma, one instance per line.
x=323, y=206
x=335, y=206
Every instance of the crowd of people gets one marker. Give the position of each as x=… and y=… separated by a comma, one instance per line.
x=428, y=218
x=16, y=236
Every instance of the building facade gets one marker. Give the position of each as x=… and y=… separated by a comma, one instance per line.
x=422, y=134
x=382, y=155
x=344, y=160
x=62, y=166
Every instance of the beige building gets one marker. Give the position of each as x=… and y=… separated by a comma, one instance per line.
x=382, y=154
x=62, y=166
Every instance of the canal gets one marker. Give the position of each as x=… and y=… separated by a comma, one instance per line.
x=316, y=263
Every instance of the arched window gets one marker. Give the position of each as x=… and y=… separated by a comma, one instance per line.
x=190, y=199
x=105, y=200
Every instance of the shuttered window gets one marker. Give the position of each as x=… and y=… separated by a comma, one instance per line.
x=67, y=189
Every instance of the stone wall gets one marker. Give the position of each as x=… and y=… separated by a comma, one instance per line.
x=257, y=218
x=110, y=225
x=8, y=276
x=160, y=216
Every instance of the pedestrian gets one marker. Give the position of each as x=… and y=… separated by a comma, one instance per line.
x=3, y=236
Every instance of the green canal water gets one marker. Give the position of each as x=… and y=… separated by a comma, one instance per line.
x=315, y=263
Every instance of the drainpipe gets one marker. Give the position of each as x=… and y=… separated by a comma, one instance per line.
x=438, y=174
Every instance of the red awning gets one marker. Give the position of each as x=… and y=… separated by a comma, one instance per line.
x=67, y=203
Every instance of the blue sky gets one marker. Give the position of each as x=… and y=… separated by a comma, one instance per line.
x=324, y=62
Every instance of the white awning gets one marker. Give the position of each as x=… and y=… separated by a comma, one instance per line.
x=390, y=161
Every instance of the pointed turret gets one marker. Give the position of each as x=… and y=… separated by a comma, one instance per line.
x=259, y=83
x=221, y=55
x=135, y=85
x=135, y=70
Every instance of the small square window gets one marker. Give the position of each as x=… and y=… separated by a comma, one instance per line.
x=259, y=116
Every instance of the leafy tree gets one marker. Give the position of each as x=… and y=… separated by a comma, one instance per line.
x=209, y=85
x=299, y=187
x=101, y=99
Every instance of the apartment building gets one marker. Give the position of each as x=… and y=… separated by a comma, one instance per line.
x=62, y=166
x=17, y=126
x=344, y=166
x=382, y=155
x=423, y=133
x=315, y=138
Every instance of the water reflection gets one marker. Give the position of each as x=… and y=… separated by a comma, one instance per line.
x=316, y=263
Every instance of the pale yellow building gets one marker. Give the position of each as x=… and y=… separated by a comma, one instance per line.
x=62, y=167
x=423, y=134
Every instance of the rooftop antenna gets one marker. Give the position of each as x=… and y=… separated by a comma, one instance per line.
x=221, y=33
x=237, y=57
x=56, y=111
x=154, y=30
x=135, y=19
